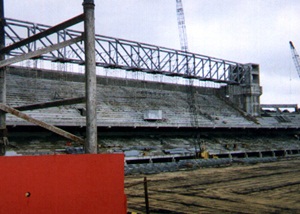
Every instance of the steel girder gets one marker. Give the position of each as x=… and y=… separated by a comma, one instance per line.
x=124, y=54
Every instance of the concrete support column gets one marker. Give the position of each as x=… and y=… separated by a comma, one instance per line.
x=90, y=74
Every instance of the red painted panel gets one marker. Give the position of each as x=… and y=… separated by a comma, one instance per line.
x=62, y=184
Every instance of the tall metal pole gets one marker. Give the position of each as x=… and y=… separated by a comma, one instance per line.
x=90, y=74
x=2, y=79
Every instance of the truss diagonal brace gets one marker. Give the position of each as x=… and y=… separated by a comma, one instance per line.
x=44, y=33
x=41, y=123
x=39, y=52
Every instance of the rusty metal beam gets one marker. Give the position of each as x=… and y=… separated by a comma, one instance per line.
x=44, y=33
x=63, y=102
x=39, y=52
x=51, y=128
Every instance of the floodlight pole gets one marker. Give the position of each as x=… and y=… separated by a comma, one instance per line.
x=2, y=73
x=90, y=75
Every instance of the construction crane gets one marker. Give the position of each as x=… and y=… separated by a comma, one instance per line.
x=184, y=47
x=181, y=26
x=295, y=56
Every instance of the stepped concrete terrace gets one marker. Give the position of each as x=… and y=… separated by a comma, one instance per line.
x=124, y=103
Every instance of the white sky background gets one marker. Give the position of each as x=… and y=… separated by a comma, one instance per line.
x=256, y=31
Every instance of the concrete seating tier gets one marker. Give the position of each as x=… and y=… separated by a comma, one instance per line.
x=122, y=102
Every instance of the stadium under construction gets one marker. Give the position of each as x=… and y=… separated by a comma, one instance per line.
x=152, y=104
x=149, y=100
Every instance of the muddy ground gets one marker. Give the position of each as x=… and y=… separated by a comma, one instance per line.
x=260, y=188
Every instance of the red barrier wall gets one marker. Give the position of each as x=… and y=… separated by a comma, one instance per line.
x=62, y=184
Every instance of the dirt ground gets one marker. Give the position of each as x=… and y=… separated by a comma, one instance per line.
x=260, y=188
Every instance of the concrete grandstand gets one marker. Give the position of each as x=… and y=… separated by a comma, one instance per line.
x=126, y=103
x=146, y=119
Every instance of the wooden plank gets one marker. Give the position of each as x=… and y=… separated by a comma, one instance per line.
x=39, y=52
x=41, y=123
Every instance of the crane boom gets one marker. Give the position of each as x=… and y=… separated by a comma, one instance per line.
x=181, y=26
x=295, y=56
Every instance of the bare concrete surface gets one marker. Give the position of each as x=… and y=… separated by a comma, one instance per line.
x=261, y=188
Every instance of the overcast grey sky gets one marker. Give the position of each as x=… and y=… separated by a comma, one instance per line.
x=256, y=31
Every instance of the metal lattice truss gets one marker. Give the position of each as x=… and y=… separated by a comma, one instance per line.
x=122, y=54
